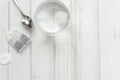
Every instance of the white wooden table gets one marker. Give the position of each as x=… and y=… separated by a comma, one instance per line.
x=88, y=49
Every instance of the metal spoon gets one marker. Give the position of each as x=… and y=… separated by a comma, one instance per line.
x=26, y=20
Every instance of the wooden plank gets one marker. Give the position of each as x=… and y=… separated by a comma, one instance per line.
x=3, y=43
x=42, y=51
x=87, y=39
x=65, y=64
x=52, y=57
x=19, y=69
x=109, y=17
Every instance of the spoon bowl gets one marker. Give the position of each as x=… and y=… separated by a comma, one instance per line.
x=26, y=20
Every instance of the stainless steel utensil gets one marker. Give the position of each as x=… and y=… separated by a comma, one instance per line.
x=26, y=20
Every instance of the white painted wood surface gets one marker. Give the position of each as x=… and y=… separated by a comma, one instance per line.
x=109, y=27
x=88, y=49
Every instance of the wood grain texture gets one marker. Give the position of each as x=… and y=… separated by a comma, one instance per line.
x=88, y=49
x=65, y=63
x=3, y=43
x=109, y=16
x=87, y=39
x=42, y=51
x=19, y=69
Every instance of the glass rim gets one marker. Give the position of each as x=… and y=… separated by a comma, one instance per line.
x=42, y=4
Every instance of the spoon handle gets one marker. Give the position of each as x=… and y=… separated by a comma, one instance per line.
x=17, y=5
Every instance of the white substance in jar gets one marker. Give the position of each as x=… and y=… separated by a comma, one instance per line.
x=52, y=22
x=52, y=17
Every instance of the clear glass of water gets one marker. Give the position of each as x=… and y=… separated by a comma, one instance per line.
x=52, y=16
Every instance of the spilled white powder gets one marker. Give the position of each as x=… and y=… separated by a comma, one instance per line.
x=52, y=19
x=5, y=58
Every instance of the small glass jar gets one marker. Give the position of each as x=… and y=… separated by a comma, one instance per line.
x=52, y=17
